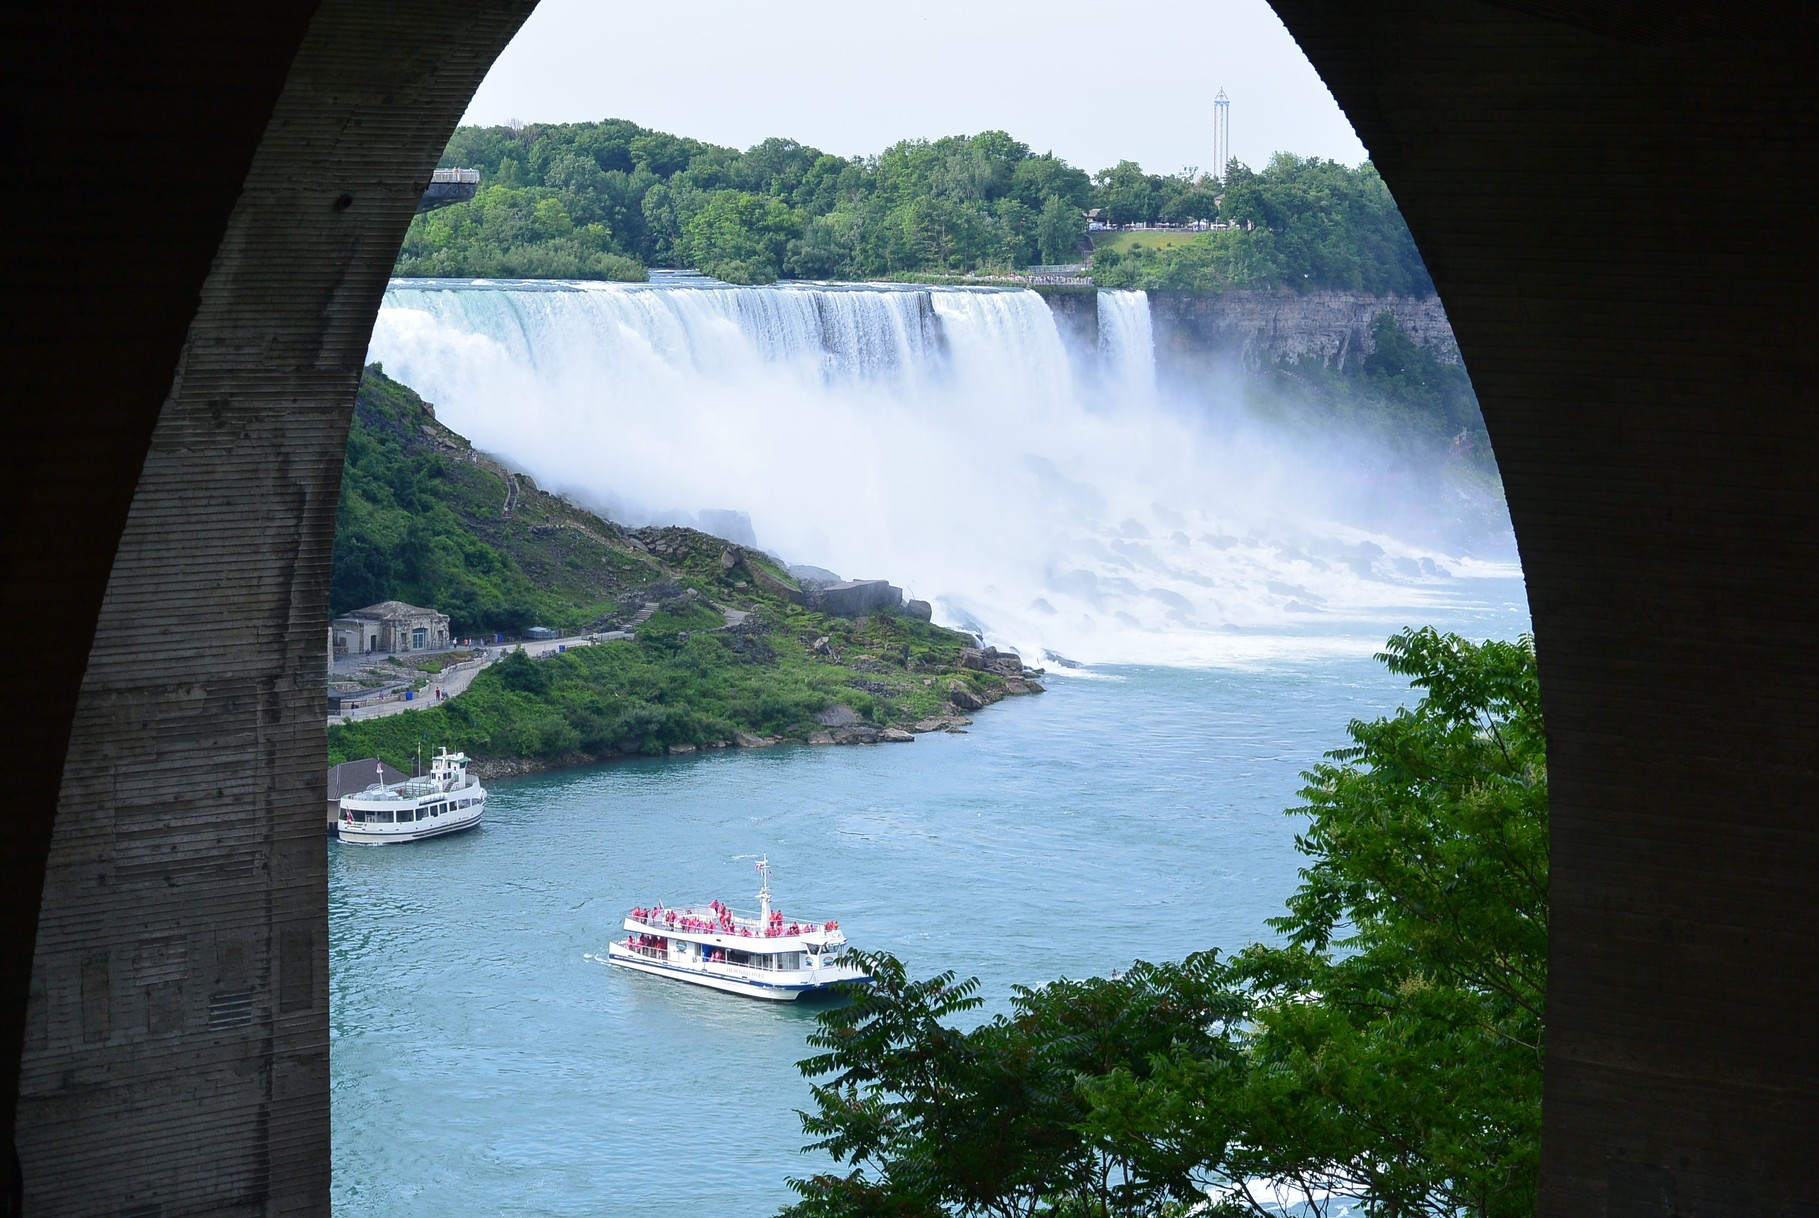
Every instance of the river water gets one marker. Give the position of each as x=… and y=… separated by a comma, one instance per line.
x=483, y=1064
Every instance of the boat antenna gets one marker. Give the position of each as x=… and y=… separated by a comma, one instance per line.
x=764, y=892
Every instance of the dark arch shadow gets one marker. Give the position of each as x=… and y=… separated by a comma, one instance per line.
x=1610, y=200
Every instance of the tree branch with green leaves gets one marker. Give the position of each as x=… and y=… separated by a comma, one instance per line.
x=1387, y=1050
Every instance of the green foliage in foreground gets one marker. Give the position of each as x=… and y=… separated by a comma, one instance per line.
x=1389, y=1048
x=685, y=680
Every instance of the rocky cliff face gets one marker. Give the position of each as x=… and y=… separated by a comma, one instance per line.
x=1255, y=329
x=1251, y=331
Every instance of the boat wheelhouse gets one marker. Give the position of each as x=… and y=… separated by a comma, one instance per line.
x=448, y=800
x=765, y=955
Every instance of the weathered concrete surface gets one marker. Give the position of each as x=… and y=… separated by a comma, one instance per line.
x=176, y=1051
x=1616, y=203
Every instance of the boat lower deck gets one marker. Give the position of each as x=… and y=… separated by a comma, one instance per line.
x=380, y=834
x=752, y=980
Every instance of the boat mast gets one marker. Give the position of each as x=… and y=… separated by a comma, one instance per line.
x=764, y=893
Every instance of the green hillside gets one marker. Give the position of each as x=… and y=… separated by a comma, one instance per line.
x=424, y=518
x=729, y=654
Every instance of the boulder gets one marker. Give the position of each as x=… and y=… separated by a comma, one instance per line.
x=837, y=715
x=820, y=738
x=1005, y=663
x=856, y=598
x=895, y=735
x=728, y=560
x=1021, y=685
x=746, y=740
x=922, y=611
x=963, y=697
x=771, y=584
x=681, y=750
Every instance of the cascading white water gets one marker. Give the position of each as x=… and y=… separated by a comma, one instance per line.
x=936, y=437
x=1127, y=345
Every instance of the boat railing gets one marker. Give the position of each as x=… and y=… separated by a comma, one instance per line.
x=650, y=953
x=744, y=926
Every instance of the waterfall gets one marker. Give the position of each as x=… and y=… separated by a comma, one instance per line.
x=938, y=437
x=1127, y=346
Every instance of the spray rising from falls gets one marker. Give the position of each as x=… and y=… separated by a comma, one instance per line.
x=938, y=437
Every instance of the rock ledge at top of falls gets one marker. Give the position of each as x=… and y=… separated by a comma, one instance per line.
x=1254, y=329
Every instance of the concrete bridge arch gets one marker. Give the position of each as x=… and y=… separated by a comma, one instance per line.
x=204, y=207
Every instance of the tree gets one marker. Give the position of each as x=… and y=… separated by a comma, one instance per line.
x=1126, y=193
x=1388, y=1049
x=1059, y=230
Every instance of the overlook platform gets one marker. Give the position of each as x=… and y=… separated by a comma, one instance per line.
x=448, y=186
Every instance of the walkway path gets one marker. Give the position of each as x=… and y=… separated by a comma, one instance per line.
x=455, y=682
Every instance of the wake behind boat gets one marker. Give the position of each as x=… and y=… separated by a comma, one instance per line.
x=762, y=956
x=447, y=801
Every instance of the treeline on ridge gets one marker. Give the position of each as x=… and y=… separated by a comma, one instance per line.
x=606, y=200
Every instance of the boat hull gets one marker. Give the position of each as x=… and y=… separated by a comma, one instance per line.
x=724, y=980
x=356, y=834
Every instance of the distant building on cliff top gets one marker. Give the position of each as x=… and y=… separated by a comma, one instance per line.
x=389, y=627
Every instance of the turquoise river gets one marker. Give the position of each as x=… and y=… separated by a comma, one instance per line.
x=484, y=1065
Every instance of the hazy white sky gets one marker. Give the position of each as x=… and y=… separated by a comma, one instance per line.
x=849, y=78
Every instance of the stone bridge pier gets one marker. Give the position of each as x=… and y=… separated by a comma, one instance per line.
x=1613, y=199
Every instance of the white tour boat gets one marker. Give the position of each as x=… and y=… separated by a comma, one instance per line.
x=447, y=801
x=766, y=956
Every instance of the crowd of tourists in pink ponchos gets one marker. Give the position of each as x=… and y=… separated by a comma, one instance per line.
x=723, y=923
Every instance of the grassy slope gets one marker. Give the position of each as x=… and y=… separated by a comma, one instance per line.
x=688, y=680
x=1124, y=242
x=422, y=519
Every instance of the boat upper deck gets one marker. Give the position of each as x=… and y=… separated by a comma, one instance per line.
x=715, y=922
x=415, y=788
